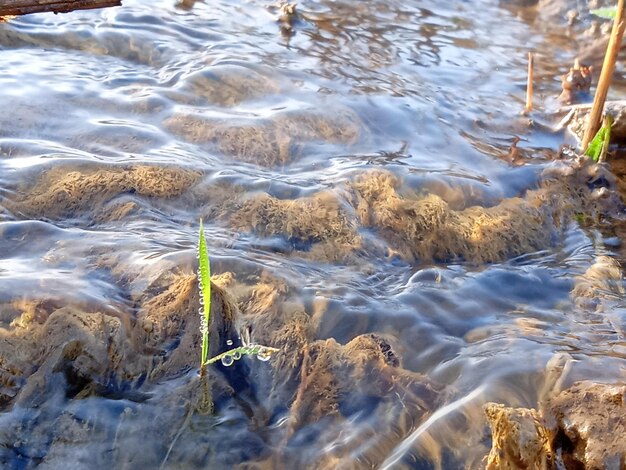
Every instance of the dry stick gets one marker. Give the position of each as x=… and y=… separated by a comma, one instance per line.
x=24, y=7
x=529, y=82
x=615, y=41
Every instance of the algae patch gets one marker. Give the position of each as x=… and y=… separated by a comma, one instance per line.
x=69, y=191
x=278, y=140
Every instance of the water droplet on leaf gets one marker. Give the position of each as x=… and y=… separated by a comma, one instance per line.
x=227, y=361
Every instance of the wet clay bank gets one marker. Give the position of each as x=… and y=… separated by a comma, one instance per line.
x=439, y=300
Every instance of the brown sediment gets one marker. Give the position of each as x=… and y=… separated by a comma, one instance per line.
x=97, y=350
x=267, y=142
x=457, y=196
x=271, y=317
x=321, y=379
x=319, y=218
x=257, y=142
x=577, y=80
x=32, y=311
x=88, y=346
x=420, y=227
x=618, y=168
x=425, y=228
x=413, y=226
x=583, y=427
x=580, y=426
x=60, y=193
x=83, y=353
x=590, y=423
x=16, y=365
x=602, y=279
x=169, y=310
x=118, y=210
x=335, y=378
x=331, y=372
x=374, y=212
x=317, y=394
x=229, y=85
x=314, y=379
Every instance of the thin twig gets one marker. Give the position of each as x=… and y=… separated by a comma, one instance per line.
x=529, y=82
x=615, y=41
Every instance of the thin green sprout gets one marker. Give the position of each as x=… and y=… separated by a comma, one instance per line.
x=263, y=353
x=204, y=277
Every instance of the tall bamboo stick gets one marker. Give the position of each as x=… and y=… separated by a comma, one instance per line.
x=615, y=42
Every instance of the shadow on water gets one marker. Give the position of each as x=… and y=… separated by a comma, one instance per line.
x=375, y=205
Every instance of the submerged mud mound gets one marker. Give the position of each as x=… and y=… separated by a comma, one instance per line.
x=321, y=386
x=375, y=213
x=267, y=142
x=318, y=223
x=425, y=228
x=66, y=355
x=602, y=280
x=583, y=427
x=99, y=351
x=53, y=357
x=372, y=214
x=227, y=85
x=61, y=192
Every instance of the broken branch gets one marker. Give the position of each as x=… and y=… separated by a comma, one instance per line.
x=24, y=7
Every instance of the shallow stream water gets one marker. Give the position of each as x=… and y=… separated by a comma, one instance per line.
x=121, y=128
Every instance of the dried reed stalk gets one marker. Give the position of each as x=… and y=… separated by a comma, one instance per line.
x=615, y=42
x=529, y=82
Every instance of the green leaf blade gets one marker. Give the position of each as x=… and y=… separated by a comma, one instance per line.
x=600, y=142
x=608, y=13
x=204, y=274
x=595, y=146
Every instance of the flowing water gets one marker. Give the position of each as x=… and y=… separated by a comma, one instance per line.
x=307, y=146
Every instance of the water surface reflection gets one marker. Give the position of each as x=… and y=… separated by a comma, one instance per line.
x=322, y=163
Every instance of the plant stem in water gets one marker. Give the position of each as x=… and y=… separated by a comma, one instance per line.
x=615, y=42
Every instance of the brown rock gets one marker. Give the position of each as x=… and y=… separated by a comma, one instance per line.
x=582, y=428
x=520, y=439
x=590, y=421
